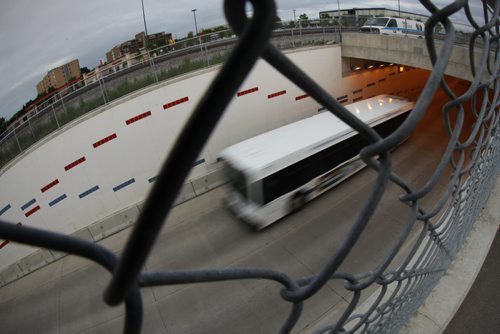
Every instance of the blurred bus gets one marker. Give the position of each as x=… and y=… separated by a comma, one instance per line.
x=277, y=172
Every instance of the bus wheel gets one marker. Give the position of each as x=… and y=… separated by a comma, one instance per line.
x=298, y=201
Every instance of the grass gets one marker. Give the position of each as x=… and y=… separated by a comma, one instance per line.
x=28, y=136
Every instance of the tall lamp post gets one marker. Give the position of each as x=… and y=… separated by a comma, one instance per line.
x=399, y=8
x=339, y=21
x=145, y=26
x=195, y=24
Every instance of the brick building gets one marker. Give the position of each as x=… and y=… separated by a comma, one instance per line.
x=136, y=44
x=59, y=76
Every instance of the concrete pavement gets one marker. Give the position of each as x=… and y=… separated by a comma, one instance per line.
x=480, y=311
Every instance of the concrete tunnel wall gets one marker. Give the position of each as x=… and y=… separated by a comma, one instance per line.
x=106, y=162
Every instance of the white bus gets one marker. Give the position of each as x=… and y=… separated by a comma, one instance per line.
x=277, y=172
x=393, y=26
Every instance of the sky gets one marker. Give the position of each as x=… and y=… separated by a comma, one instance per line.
x=37, y=36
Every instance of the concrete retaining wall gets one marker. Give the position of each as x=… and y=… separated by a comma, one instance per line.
x=98, y=166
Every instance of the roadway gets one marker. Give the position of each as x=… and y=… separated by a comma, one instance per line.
x=66, y=296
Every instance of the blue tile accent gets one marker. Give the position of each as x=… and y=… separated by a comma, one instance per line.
x=152, y=179
x=57, y=200
x=123, y=185
x=199, y=162
x=27, y=205
x=7, y=207
x=321, y=109
x=88, y=192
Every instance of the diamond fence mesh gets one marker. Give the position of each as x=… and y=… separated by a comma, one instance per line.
x=471, y=160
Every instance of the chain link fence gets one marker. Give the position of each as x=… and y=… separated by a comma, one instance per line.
x=470, y=162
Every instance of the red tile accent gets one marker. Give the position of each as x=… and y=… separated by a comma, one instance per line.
x=4, y=243
x=104, y=140
x=248, y=91
x=138, y=117
x=300, y=97
x=176, y=102
x=32, y=211
x=282, y=92
x=50, y=185
x=74, y=164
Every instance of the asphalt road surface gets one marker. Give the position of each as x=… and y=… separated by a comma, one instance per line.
x=66, y=296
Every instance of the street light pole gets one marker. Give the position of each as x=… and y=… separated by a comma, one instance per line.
x=145, y=26
x=339, y=21
x=195, y=24
x=399, y=8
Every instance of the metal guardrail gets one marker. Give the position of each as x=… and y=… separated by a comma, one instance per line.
x=473, y=158
x=145, y=69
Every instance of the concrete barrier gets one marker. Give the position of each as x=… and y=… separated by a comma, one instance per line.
x=108, y=226
x=35, y=261
x=114, y=223
x=208, y=182
x=187, y=192
x=11, y=273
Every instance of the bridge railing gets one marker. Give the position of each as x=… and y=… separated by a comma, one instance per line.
x=469, y=164
x=134, y=72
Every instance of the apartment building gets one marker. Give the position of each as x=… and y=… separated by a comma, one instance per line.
x=59, y=76
x=134, y=45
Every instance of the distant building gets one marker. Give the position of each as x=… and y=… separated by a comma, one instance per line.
x=107, y=68
x=59, y=76
x=139, y=42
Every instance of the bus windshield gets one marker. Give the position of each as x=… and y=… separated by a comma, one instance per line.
x=376, y=21
x=237, y=180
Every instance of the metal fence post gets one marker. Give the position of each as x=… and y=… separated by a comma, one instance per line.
x=17, y=141
x=55, y=116
x=153, y=68
x=31, y=129
x=103, y=90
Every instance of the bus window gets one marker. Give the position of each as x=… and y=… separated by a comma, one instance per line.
x=303, y=171
x=237, y=180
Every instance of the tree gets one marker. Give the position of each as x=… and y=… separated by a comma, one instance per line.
x=84, y=70
x=278, y=24
x=304, y=20
x=324, y=19
x=190, y=40
x=3, y=125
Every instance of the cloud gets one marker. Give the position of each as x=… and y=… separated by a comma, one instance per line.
x=42, y=34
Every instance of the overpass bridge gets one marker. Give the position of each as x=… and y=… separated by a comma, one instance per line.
x=350, y=87
x=411, y=52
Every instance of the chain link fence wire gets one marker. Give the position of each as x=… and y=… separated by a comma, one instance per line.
x=472, y=158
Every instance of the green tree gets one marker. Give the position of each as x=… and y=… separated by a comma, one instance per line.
x=190, y=40
x=324, y=19
x=3, y=125
x=84, y=70
x=304, y=20
x=278, y=24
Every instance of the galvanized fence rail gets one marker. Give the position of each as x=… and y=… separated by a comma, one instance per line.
x=132, y=73
x=472, y=157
